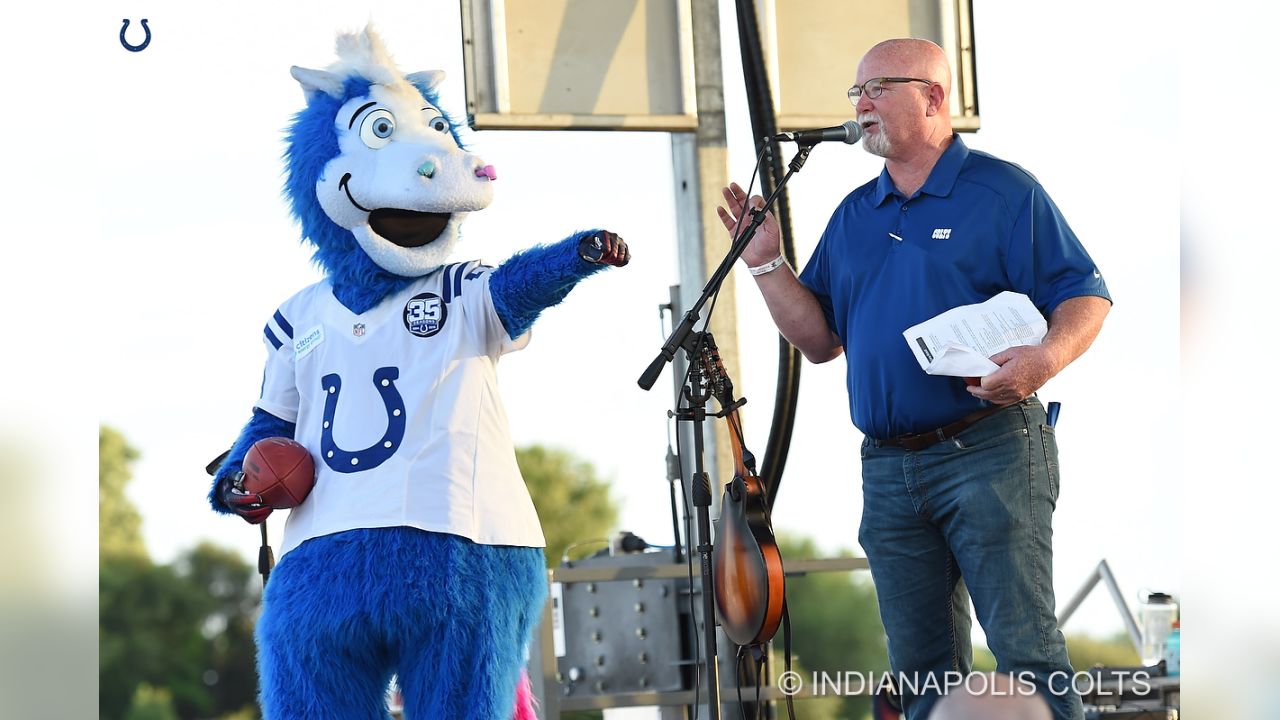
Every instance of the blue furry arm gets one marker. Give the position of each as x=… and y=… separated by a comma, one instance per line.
x=262, y=425
x=535, y=279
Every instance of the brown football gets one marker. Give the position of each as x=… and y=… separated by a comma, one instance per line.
x=280, y=470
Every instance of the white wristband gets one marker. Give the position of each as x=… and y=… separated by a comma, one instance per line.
x=768, y=267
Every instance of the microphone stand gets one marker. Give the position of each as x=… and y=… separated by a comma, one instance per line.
x=696, y=395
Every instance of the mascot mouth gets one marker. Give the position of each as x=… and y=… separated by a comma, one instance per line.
x=406, y=228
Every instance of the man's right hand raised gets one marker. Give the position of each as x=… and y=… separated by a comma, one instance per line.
x=766, y=245
x=792, y=306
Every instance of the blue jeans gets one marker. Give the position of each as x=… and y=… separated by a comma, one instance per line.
x=969, y=517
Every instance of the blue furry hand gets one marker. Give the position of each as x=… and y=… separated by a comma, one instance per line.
x=247, y=505
x=604, y=248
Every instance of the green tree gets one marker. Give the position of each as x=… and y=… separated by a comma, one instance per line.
x=174, y=640
x=231, y=588
x=151, y=704
x=1087, y=651
x=186, y=628
x=573, y=503
x=818, y=708
x=149, y=632
x=836, y=623
x=119, y=524
x=983, y=660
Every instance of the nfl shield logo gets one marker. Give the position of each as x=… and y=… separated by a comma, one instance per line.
x=358, y=329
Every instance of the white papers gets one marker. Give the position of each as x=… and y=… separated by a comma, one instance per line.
x=959, y=341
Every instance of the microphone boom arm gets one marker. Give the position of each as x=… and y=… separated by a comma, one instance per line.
x=680, y=336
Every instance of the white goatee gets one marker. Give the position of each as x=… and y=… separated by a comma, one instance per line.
x=878, y=143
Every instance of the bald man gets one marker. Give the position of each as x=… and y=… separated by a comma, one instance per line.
x=959, y=482
x=990, y=696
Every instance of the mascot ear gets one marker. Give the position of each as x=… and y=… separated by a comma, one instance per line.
x=429, y=79
x=318, y=81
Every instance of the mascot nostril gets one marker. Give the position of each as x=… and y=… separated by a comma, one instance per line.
x=417, y=553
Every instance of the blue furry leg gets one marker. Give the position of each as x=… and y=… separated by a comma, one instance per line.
x=535, y=279
x=452, y=618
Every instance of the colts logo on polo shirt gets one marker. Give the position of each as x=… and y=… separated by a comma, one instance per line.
x=425, y=314
x=942, y=234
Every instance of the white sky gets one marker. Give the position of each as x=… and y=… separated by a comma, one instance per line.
x=191, y=248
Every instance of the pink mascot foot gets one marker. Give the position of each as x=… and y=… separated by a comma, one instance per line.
x=525, y=701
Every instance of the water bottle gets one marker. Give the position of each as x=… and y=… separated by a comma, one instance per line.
x=1156, y=614
x=1173, y=651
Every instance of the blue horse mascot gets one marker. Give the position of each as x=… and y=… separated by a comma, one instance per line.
x=418, y=553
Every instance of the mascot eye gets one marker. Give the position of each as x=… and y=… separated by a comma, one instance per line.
x=438, y=123
x=376, y=129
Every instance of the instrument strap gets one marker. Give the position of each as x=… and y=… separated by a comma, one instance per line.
x=758, y=657
x=786, y=654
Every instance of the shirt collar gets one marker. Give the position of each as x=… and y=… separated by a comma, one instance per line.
x=941, y=179
x=943, y=176
x=884, y=187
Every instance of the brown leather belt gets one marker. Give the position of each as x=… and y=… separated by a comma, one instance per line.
x=920, y=441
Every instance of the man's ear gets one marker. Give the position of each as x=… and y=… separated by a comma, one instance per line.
x=936, y=99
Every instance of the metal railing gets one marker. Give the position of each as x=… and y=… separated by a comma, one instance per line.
x=1103, y=573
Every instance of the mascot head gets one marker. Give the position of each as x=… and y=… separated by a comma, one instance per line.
x=375, y=171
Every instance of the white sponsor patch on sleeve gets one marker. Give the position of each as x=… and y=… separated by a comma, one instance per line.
x=308, y=342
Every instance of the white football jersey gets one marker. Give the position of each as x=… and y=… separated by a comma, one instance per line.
x=399, y=407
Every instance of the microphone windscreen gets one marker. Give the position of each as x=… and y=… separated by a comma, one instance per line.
x=854, y=131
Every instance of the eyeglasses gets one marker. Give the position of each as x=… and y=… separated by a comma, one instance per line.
x=875, y=86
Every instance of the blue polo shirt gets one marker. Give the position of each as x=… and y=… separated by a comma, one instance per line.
x=977, y=227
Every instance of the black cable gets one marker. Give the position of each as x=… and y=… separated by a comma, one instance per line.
x=786, y=649
x=687, y=494
x=764, y=125
x=672, y=459
x=757, y=671
x=737, y=673
x=266, y=560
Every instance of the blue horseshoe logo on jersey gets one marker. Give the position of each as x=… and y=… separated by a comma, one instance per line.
x=130, y=46
x=345, y=461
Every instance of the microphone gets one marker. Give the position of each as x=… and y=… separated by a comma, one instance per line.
x=850, y=132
